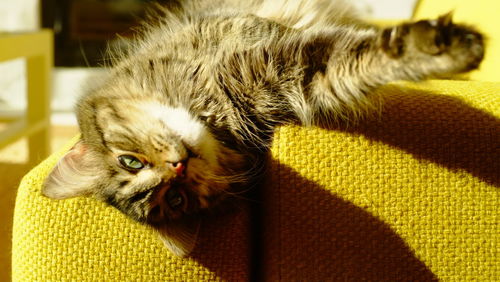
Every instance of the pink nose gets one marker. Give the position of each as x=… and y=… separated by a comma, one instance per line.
x=178, y=168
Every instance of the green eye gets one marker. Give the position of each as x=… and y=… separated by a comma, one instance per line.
x=129, y=161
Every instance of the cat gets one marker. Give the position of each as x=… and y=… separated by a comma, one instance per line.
x=184, y=118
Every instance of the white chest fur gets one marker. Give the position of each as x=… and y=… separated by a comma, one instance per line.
x=188, y=128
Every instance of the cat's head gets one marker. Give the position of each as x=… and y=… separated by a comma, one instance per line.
x=158, y=164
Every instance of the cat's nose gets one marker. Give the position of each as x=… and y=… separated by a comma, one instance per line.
x=178, y=167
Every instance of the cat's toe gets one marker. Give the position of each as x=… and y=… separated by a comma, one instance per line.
x=468, y=49
x=433, y=37
x=393, y=40
x=440, y=44
x=462, y=43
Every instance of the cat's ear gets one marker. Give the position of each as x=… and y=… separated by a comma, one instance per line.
x=74, y=175
x=180, y=237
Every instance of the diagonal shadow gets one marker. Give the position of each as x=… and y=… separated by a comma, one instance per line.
x=439, y=128
x=225, y=244
x=300, y=232
x=311, y=235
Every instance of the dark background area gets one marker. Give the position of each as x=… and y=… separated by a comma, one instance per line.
x=83, y=28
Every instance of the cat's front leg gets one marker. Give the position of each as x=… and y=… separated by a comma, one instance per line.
x=433, y=48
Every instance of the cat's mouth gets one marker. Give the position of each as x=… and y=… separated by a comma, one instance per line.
x=170, y=203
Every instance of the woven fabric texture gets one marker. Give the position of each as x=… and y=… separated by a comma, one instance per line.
x=410, y=196
x=85, y=240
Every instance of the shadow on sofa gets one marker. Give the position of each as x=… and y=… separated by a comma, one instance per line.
x=314, y=235
x=299, y=229
x=439, y=128
x=304, y=232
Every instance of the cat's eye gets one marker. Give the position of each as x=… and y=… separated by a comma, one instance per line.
x=130, y=162
x=174, y=199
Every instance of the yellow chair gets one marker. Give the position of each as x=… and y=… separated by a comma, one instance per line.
x=413, y=196
x=410, y=196
x=37, y=48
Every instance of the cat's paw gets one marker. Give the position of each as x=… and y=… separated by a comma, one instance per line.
x=460, y=47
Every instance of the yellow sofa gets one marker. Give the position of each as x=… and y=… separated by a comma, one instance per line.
x=412, y=195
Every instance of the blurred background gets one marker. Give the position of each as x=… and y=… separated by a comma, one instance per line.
x=82, y=30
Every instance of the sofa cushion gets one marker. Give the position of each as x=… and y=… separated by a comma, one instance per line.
x=410, y=195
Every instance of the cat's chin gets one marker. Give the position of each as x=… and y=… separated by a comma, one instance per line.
x=173, y=203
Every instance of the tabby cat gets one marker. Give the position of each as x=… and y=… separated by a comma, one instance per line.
x=185, y=116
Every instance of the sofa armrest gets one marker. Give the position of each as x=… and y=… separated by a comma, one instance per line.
x=410, y=195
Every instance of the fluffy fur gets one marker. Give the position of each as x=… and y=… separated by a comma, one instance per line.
x=187, y=113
